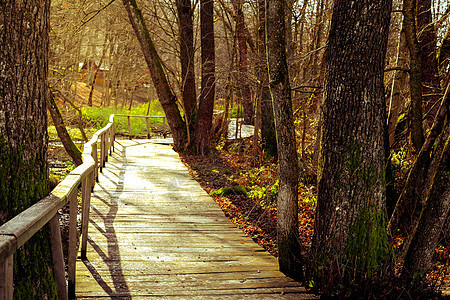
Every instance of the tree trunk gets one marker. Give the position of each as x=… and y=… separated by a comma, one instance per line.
x=206, y=104
x=243, y=62
x=63, y=135
x=415, y=73
x=165, y=95
x=396, y=99
x=406, y=211
x=350, y=240
x=268, y=133
x=186, y=29
x=430, y=75
x=289, y=249
x=24, y=28
x=420, y=253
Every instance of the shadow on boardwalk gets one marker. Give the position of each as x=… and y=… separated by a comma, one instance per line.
x=154, y=233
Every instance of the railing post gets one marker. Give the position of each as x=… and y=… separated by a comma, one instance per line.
x=57, y=257
x=95, y=157
x=107, y=137
x=129, y=127
x=6, y=278
x=102, y=151
x=86, y=194
x=73, y=249
x=148, y=127
x=164, y=127
x=113, y=133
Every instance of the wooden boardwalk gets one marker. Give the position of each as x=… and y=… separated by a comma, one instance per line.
x=155, y=233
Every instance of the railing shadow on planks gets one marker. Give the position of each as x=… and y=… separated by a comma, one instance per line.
x=18, y=230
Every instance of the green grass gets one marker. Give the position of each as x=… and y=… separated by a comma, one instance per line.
x=99, y=117
x=74, y=133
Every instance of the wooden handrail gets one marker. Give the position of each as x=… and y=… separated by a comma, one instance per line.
x=18, y=230
x=146, y=121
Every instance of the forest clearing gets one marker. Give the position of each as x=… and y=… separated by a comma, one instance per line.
x=344, y=171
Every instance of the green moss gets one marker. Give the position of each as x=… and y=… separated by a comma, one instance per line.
x=367, y=245
x=227, y=190
x=33, y=272
x=23, y=183
x=356, y=166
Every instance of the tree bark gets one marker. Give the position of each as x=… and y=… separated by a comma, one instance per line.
x=268, y=133
x=396, y=99
x=24, y=37
x=420, y=253
x=243, y=62
x=406, y=211
x=206, y=104
x=350, y=223
x=289, y=249
x=165, y=94
x=63, y=135
x=430, y=75
x=415, y=73
x=186, y=29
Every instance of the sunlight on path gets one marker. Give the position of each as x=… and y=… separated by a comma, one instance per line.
x=154, y=232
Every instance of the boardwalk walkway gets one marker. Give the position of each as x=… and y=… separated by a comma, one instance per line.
x=155, y=233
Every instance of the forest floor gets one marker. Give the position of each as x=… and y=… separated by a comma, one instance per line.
x=243, y=185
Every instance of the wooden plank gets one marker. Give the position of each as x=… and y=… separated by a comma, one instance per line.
x=155, y=233
x=73, y=249
x=58, y=258
x=6, y=278
x=86, y=198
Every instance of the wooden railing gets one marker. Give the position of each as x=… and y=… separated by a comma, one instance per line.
x=17, y=231
x=146, y=123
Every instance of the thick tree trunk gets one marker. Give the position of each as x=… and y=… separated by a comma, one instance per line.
x=206, y=104
x=63, y=135
x=350, y=224
x=165, y=95
x=289, y=249
x=415, y=73
x=268, y=133
x=24, y=28
x=186, y=29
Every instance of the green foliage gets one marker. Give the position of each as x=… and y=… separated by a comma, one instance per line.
x=60, y=170
x=265, y=196
x=99, y=117
x=229, y=190
x=74, y=133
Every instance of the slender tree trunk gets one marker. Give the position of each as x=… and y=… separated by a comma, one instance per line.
x=350, y=241
x=396, y=99
x=430, y=75
x=426, y=236
x=64, y=136
x=186, y=29
x=206, y=105
x=415, y=73
x=289, y=249
x=165, y=94
x=268, y=133
x=24, y=38
x=405, y=215
x=243, y=62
